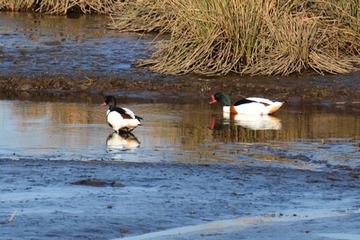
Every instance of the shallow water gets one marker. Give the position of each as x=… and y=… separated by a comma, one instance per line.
x=311, y=137
x=186, y=172
x=55, y=46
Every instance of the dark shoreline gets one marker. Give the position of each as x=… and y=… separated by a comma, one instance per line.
x=328, y=89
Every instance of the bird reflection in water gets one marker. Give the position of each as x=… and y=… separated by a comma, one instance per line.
x=123, y=141
x=254, y=122
x=245, y=127
x=248, y=121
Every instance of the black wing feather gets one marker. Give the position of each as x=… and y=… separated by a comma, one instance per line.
x=243, y=101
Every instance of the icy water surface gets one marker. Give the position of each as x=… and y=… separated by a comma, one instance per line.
x=312, y=137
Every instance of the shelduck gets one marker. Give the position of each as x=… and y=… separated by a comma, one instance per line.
x=250, y=105
x=120, y=119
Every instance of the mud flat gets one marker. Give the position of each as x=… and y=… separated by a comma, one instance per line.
x=46, y=201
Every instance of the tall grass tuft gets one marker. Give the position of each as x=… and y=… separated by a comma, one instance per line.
x=59, y=6
x=16, y=5
x=142, y=16
x=216, y=37
x=255, y=37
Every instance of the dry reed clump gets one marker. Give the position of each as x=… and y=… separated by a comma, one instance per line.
x=59, y=6
x=142, y=16
x=14, y=5
x=256, y=37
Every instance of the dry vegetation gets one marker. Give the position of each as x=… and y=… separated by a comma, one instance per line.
x=59, y=6
x=256, y=37
x=216, y=37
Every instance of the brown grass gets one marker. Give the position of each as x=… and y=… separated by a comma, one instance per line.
x=216, y=37
x=59, y=6
x=142, y=16
x=256, y=37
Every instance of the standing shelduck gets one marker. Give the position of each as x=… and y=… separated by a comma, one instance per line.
x=120, y=119
x=250, y=105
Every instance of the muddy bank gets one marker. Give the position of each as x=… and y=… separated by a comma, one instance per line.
x=331, y=89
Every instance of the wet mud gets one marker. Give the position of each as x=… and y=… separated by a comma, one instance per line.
x=262, y=202
x=294, y=90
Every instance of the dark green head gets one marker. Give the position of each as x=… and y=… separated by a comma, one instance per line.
x=221, y=97
x=109, y=101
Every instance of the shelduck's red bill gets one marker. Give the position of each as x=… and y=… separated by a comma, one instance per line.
x=213, y=100
x=103, y=104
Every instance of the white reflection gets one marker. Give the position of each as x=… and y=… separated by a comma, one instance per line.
x=252, y=122
x=255, y=122
x=122, y=141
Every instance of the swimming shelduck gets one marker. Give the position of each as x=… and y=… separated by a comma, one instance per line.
x=250, y=105
x=120, y=119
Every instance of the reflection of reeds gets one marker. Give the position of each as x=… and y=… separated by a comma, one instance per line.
x=76, y=113
x=253, y=37
x=59, y=6
x=63, y=113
